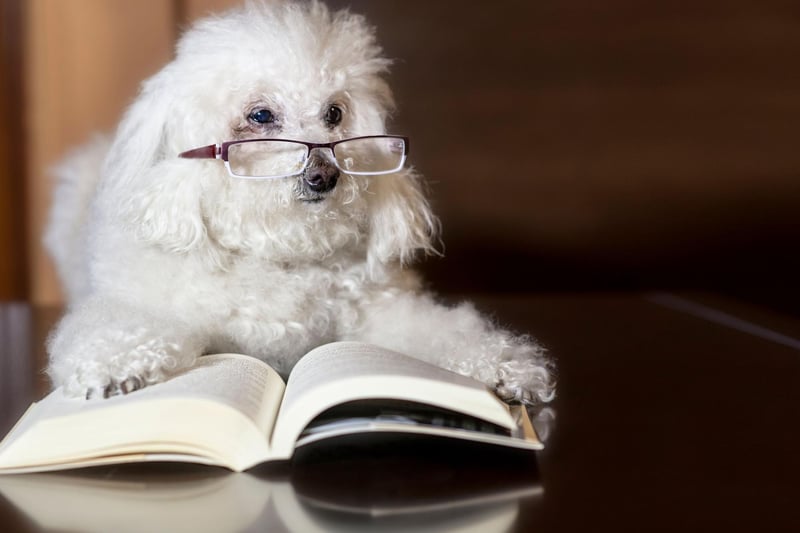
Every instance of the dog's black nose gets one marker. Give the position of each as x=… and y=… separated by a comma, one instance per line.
x=321, y=177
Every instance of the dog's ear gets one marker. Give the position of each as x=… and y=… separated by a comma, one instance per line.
x=146, y=184
x=401, y=223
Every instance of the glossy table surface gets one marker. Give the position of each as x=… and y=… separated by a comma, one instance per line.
x=675, y=412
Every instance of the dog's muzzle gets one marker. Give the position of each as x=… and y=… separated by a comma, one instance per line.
x=320, y=175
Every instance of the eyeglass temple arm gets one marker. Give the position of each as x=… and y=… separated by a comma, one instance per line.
x=212, y=151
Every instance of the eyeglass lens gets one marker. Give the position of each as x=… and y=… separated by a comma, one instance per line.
x=267, y=158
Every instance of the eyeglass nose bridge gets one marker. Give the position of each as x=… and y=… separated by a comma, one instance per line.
x=318, y=150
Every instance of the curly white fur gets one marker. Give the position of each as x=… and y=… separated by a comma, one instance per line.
x=165, y=259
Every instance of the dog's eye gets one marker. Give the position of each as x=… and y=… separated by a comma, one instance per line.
x=333, y=116
x=262, y=116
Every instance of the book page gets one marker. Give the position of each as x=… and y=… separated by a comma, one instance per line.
x=244, y=383
x=346, y=371
x=341, y=360
x=235, y=380
x=222, y=410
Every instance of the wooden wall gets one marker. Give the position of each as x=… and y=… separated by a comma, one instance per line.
x=581, y=144
x=86, y=59
x=568, y=143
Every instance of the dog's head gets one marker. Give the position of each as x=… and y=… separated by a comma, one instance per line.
x=284, y=70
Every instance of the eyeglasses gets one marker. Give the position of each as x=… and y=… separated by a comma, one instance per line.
x=280, y=158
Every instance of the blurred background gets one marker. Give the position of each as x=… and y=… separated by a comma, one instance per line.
x=568, y=144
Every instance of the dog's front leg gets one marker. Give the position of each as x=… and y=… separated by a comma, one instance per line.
x=460, y=339
x=104, y=347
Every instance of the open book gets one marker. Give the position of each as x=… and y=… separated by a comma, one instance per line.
x=235, y=411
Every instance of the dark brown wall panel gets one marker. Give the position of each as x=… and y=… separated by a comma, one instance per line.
x=13, y=264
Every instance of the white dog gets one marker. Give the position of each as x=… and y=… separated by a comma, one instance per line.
x=165, y=258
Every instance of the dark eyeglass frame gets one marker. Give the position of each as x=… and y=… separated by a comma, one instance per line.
x=221, y=150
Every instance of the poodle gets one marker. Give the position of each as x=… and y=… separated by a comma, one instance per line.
x=170, y=244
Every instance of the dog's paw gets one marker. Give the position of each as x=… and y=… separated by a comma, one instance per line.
x=117, y=364
x=115, y=388
x=526, y=381
x=93, y=379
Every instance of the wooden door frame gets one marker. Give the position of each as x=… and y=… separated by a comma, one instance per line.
x=14, y=280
